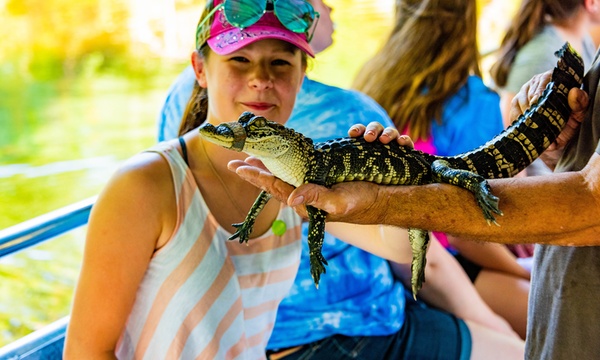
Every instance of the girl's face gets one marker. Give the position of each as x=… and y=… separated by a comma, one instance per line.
x=263, y=78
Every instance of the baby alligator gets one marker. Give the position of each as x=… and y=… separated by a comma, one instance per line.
x=294, y=158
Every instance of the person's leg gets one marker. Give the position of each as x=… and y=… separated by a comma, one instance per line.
x=340, y=347
x=507, y=296
x=429, y=333
x=491, y=345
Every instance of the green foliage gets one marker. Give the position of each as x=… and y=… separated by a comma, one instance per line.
x=57, y=38
x=44, y=278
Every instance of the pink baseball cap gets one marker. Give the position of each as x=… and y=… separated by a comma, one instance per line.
x=225, y=38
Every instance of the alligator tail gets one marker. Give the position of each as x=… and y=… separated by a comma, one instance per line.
x=522, y=142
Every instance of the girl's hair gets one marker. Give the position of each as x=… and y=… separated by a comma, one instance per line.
x=196, y=109
x=532, y=16
x=429, y=55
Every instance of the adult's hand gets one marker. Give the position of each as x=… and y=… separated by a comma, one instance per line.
x=255, y=172
x=531, y=92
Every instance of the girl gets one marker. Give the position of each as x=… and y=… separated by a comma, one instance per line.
x=159, y=278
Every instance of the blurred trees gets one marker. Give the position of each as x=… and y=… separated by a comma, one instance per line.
x=48, y=39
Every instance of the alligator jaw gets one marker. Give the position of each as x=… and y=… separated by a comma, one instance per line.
x=228, y=135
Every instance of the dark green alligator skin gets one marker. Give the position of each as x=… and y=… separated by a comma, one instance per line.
x=294, y=158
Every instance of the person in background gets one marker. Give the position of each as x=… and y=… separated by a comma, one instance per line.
x=428, y=79
x=560, y=212
x=538, y=29
x=360, y=307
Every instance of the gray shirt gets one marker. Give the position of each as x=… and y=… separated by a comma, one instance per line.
x=564, y=306
x=537, y=56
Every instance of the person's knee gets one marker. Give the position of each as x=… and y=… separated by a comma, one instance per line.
x=491, y=345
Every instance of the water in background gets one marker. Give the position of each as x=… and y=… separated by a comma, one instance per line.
x=61, y=140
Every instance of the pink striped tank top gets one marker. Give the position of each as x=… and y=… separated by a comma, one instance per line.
x=204, y=297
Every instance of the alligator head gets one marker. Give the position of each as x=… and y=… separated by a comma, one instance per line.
x=283, y=151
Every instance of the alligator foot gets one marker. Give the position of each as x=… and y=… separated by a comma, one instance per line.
x=476, y=184
x=419, y=241
x=316, y=233
x=244, y=229
x=488, y=202
x=317, y=267
x=243, y=232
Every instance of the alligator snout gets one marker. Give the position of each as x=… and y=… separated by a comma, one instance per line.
x=229, y=135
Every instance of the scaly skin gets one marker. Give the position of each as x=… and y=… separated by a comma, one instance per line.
x=294, y=158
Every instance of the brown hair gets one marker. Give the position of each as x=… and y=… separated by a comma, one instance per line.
x=532, y=16
x=196, y=109
x=429, y=55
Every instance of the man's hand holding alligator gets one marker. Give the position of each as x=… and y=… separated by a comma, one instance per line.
x=365, y=203
x=531, y=92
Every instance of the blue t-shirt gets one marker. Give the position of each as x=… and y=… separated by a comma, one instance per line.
x=470, y=118
x=358, y=296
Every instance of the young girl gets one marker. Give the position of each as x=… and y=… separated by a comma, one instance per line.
x=159, y=278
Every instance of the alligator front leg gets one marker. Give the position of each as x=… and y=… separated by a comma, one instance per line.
x=419, y=242
x=476, y=184
x=244, y=229
x=316, y=234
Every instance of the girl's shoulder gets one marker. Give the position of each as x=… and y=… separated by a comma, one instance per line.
x=146, y=175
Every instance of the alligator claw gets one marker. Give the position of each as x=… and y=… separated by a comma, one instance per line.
x=317, y=267
x=243, y=232
x=488, y=203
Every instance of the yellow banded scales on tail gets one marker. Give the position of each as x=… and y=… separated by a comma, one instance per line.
x=295, y=159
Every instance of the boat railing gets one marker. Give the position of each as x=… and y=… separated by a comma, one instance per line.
x=47, y=342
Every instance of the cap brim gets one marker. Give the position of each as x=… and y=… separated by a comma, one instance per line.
x=234, y=39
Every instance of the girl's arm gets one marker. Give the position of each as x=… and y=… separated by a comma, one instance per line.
x=124, y=227
x=490, y=256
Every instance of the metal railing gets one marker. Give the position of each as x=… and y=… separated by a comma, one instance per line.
x=45, y=227
x=46, y=343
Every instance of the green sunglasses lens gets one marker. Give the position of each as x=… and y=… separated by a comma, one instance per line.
x=296, y=15
x=243, y=13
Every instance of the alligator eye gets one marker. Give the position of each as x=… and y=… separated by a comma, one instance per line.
x=257, y=122
x=245, y=117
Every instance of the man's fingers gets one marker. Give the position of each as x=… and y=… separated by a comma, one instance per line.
x=261, y=179
x=578, y=101
x=373, y=130
x=357, y=130
x=530, y=92
x=405, y=140
x=251, y=160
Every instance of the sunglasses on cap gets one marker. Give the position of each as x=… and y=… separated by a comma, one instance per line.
x=296, y=15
